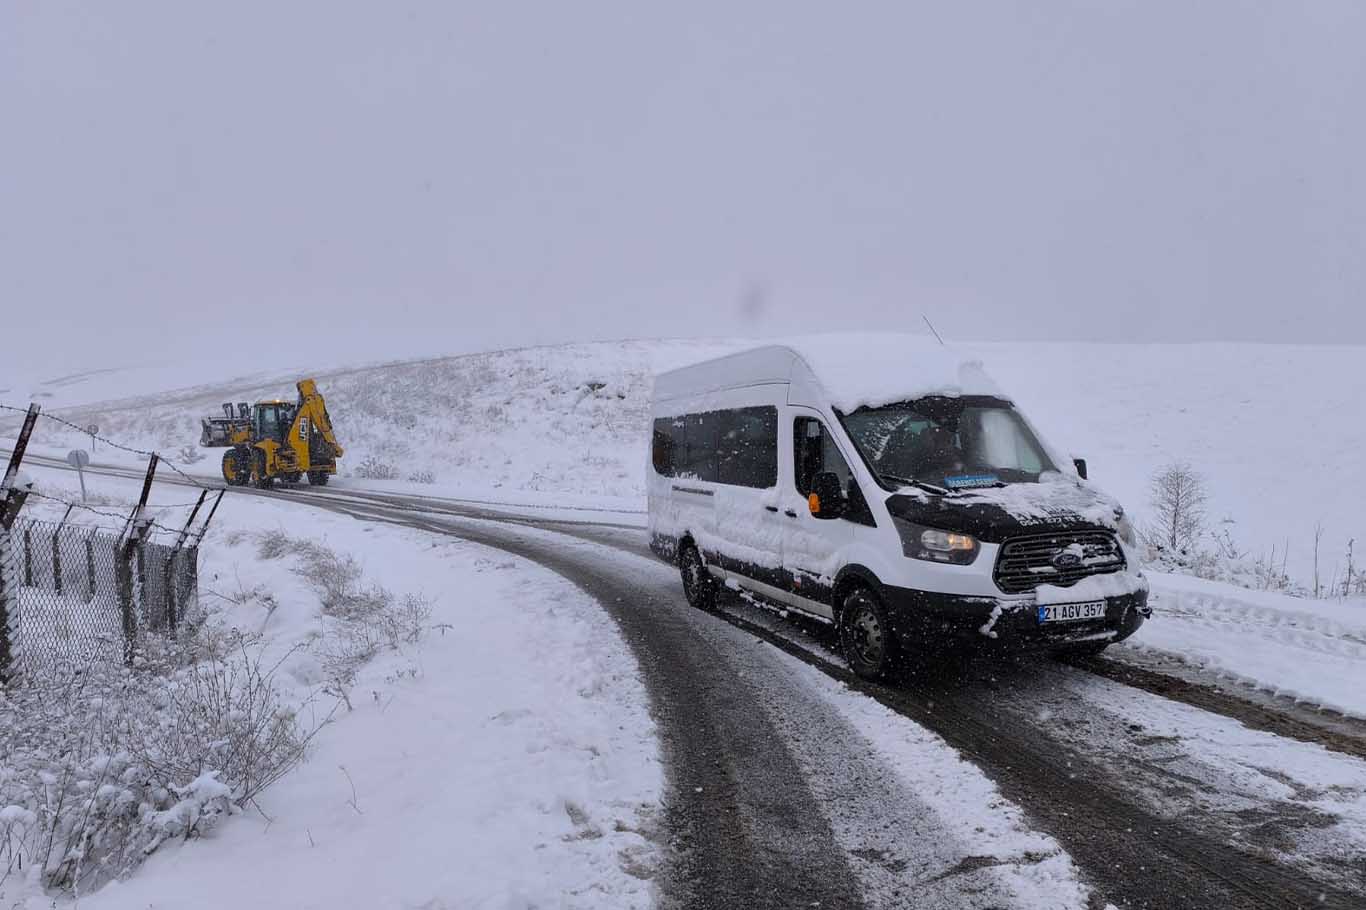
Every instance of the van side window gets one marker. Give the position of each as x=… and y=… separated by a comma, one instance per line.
x=748, y=447
x=815, y=452
x=699, y=430
x=662, y=447
x=738, y=447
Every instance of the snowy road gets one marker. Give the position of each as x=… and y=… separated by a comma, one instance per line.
x=793, y=784
x=1159, y=804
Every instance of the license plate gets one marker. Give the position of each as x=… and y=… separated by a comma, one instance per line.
x=1093, y=609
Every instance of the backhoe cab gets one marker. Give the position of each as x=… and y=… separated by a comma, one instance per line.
x=275, y=439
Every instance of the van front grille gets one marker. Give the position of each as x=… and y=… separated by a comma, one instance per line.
x=1024, y=563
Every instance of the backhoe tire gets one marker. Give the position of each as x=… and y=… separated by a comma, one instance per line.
x=292, y=477
x=235, y=472
x=318, y=478
x=259, y=478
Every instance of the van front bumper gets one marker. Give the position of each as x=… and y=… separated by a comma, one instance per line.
x=951, y=621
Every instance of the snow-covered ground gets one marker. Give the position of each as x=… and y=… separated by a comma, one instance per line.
x=1311, y=650
x=507, y=759
x=1275, y=430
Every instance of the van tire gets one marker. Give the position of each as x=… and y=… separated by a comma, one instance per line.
x=866, y=638
x=698, y=585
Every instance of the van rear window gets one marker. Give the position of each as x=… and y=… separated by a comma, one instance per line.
x=737, y=447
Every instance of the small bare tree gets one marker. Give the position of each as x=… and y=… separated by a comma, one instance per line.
x=1177, y=496
x=1351, y=584
x=1318, y=539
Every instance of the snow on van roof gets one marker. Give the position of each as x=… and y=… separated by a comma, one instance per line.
x=867, y=369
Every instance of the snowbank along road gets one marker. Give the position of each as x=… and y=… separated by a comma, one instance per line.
x=792, y=783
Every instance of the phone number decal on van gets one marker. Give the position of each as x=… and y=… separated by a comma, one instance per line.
x=965, y=481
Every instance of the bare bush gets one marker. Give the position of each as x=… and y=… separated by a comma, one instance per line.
x=1177, y=497
x=365, y=618
x=103, y=764
x=422, y=477
x=221, y=715
x=371, y=468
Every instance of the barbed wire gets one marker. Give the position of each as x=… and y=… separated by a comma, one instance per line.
x=161, y=459
x=94, y=511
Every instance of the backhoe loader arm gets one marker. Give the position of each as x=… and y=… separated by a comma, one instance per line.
x=313, y=409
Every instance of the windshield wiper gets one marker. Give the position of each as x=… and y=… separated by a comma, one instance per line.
x=918, y=484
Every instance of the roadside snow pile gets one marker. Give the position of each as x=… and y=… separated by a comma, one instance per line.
x=1311, y=650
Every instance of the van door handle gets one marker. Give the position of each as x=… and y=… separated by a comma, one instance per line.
x=771, y=508
x=790, y=514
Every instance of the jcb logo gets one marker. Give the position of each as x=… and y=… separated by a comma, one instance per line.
x=303, y=429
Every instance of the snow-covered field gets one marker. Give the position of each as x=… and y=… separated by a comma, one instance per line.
x=457, y=778
x=545, y=785
x=1275, y=429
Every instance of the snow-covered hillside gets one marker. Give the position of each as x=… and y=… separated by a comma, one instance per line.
x=1275, y=429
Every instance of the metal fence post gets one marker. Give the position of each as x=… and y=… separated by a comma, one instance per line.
x=7, y=608
x=90, y=566
x=57, y=552
x=123, y=571
x=28, y=556
x=171, y=591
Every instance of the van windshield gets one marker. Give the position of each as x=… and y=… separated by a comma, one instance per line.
x=950, y=443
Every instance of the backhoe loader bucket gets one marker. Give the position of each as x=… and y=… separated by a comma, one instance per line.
x=217, y=431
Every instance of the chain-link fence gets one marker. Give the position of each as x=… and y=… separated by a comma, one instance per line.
x=70, y=594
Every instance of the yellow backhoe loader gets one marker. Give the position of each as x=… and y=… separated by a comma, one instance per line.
x=275, y=440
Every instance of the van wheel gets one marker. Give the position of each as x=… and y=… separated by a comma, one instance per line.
x=698, y=585
x=866, y=638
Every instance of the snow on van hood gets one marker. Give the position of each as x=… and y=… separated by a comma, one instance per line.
x=866, y=369
x=1057, y=503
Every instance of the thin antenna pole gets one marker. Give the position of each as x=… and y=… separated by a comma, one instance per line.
x=932, y=329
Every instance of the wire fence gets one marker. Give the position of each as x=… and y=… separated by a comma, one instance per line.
x=72, y=595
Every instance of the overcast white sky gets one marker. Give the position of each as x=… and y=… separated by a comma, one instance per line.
x=330, y=180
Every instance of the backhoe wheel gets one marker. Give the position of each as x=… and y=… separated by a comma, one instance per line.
x=866, y=638
x=234, y=471
x=698, y=585
x=318, y=478
x=292, y=477
x=259, y=478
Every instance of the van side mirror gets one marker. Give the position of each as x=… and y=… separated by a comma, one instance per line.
x=827, y=496
x=1080, y=465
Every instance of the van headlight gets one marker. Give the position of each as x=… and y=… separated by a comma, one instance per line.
x=935, y=545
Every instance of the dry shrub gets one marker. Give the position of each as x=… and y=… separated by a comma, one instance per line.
x=100, y=764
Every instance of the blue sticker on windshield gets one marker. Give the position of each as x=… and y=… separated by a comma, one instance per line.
x=964, y=481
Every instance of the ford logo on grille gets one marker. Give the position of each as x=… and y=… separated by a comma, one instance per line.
x=1066, y=559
